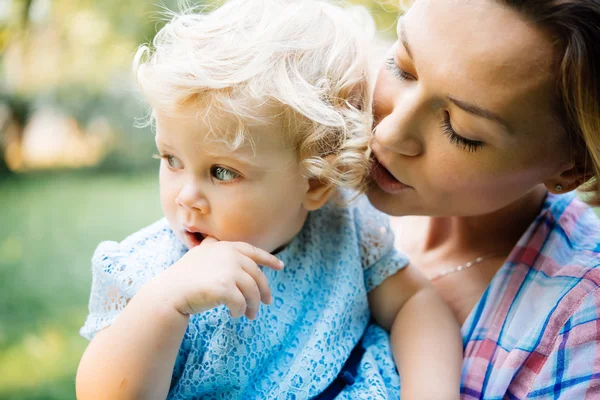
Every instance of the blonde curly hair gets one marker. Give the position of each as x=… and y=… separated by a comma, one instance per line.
x=308, y=58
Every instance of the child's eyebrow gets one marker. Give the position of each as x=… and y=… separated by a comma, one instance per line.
x=159, y=142
x=162, y=145
x=235, y=157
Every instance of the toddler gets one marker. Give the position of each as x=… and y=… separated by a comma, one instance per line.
x=262, y=113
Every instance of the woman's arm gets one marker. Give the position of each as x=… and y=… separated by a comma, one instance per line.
x=425, y=336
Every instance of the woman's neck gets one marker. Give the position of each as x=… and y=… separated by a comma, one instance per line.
x=496, y=232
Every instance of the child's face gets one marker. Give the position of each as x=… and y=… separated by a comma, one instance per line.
x=255, y=196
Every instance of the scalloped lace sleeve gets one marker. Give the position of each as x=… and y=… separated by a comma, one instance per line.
x=119, y=270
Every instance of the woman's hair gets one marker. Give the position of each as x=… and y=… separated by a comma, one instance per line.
x=576, y=26
x=302, y=63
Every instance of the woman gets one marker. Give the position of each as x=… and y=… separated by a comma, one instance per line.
x=488, y=115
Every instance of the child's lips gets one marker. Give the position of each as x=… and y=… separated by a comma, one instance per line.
x=194, y=238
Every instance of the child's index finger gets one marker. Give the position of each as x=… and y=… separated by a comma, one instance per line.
x=208, y=240
x=260, y=256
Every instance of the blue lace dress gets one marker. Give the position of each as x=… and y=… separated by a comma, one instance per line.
x=295, y=347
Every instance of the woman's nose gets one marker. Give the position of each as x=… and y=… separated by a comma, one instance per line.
x=191, y=198
x=396, y=132
x=399, y=128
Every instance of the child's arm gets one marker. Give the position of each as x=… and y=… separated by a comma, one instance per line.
x=134, y=357
x=424, y=334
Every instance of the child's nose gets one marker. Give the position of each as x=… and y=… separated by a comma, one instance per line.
x=192, y=198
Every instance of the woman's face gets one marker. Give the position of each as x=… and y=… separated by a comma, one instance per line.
x=464, y=106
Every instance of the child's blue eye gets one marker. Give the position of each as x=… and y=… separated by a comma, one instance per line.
x=223, y=174
x=174, y=162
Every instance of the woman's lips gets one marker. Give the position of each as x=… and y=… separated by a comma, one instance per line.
x=386, y=181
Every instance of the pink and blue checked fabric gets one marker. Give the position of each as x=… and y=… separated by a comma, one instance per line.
x=535, y=333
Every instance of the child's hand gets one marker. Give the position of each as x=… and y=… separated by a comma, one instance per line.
x=216, y=273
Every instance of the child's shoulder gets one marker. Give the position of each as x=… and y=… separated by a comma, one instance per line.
x=155, y=244
x=120, y=269
x=348, y=212
x=369, y=229
x=158, y=232
x=356, y=208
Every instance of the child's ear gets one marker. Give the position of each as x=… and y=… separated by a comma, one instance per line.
x=317, y=194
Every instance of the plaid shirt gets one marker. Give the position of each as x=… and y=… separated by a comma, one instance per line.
x=535, y=333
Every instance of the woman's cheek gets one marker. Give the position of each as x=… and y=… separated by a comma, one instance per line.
x=450, y=172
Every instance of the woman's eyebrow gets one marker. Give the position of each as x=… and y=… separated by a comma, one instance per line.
x=470, y=108
x=479, y=112
x=401, y=31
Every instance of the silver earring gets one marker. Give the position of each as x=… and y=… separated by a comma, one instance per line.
x=558, y=187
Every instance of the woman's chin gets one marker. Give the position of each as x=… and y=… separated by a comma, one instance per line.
x=391, y=204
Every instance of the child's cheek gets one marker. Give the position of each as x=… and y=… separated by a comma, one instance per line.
x=239, y=223
x=246, y=223
x=168, y=195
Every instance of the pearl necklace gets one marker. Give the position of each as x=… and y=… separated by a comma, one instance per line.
x=463, y=266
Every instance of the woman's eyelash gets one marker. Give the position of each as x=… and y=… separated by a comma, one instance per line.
x=466, y=144
x=398, y=73
x=457, y=140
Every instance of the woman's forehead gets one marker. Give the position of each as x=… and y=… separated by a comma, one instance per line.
x=479, y=49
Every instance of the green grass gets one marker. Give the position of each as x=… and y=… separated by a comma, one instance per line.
x=50, y=224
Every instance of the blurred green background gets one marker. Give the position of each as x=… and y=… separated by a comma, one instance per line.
x=73, y=171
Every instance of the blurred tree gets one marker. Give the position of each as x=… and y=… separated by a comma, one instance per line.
x=14, y=112
x=74, y=56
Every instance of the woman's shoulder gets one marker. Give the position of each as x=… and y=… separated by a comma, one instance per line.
x=542, y=304
x=555, y=267
x=567, y=237
x=574, y=219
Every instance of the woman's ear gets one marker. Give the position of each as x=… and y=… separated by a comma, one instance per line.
x=570, y=178
x=317, y=194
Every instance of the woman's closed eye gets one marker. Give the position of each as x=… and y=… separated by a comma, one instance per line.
x=456, y=139
x=223, y=174
x=398, y=73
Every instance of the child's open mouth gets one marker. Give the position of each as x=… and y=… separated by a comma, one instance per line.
x=194, y=238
